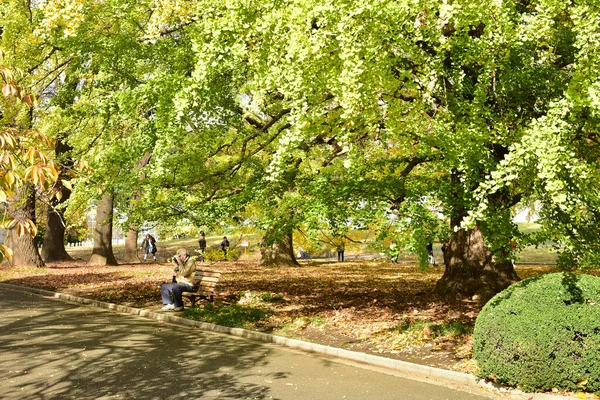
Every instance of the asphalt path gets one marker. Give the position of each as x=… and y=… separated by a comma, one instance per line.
x=52, y=349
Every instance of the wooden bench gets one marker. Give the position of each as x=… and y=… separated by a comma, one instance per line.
x=206, y=282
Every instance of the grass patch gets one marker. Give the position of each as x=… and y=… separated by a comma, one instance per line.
x=256, y=298
x=271, y=297
x=528, y=227
x=543, y=255
x=235, y=316
x=301, y=323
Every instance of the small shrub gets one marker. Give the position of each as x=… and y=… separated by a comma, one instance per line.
x=542, y=333
x=213, y=255
x=233, y=254
x=258, y=298
x=271, y=297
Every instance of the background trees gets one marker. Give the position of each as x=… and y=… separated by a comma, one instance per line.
x=342, y=112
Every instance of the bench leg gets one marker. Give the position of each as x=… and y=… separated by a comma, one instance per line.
x=193, y=300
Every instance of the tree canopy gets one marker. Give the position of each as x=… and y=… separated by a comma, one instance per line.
x=303, y=112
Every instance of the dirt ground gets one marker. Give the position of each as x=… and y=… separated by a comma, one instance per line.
x=367, y=306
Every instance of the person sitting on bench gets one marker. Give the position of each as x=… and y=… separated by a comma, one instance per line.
x=183, y=281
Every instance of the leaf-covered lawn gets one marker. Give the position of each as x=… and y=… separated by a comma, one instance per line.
x=373, y=307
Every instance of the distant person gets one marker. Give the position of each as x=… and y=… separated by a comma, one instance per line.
x=261, y=246
x=149, y=246
x=340, y=251
x=430, y=255
x=302, y=254
x=224, y=245
x=202, y=245
x=444, y=249
x=394, y=252
x=183, y=281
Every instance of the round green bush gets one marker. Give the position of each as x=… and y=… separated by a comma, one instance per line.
x=542, y=333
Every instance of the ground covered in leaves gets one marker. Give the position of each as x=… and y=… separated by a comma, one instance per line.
x=372, y=307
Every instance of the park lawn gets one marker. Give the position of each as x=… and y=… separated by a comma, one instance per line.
x=373, y=307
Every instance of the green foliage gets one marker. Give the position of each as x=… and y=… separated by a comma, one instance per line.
x=268, y=297
x=235, y=316
x=326, y=115
x=542, y=333
x=211, y=255
x=256, y=298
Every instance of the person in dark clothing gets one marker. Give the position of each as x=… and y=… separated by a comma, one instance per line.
x=202, y=246
x=429, y=248
x=149, y=246
x=224, y=245
x=340, y=251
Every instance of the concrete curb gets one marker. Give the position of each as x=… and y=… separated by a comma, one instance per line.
x=417, y=371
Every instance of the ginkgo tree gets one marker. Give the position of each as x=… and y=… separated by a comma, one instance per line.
x=424, y=98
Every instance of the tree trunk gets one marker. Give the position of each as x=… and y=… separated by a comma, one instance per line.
x=470, y=269
x=131, y=246
x=102, y=254
x=54, y=239
x=25, y=249
x=280, y=253
x=131, y=254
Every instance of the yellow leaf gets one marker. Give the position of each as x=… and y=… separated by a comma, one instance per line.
x=31, y=155
x=19, y=230
x=3, y=197
x=7, y=251
x=58, y=195
x=67, y=184
x=6, y=90
x=32, y=228
x=10, y=178
x=27, y=99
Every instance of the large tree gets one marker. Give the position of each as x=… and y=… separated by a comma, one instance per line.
x=102, y=253
x=422, y=99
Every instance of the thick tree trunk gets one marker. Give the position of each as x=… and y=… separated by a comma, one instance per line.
x=25, y=249
x=280, y=253
x=471, y=270
x=102, y=254
x=131, y=246
x=54, y=239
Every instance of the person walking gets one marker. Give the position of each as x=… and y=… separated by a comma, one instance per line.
x=149, y=246
x=202, y=245
x=430, y=255
x=394, y=253
x=224, y=246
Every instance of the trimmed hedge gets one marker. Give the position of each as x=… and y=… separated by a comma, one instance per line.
x=542, y=333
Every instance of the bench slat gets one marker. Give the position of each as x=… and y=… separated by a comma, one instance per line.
x=206, y=281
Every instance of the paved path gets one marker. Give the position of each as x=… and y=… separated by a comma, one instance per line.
x=51, y=349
